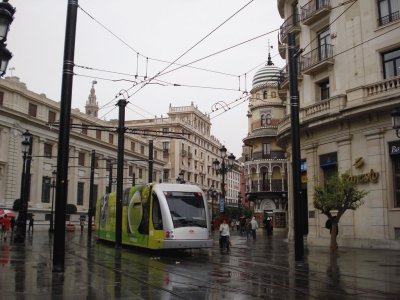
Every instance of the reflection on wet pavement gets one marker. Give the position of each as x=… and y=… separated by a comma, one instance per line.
x=264, y=269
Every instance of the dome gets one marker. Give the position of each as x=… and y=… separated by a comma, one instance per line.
x=268, y=75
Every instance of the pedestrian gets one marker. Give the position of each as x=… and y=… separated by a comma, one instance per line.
x=5, y=226
x=82, y=225
x=248, y=228
x=12, y=225
x=224, y=235
x=254, y=226
x=242, y=225
x=233, y=224
x=30, y=224
x=269, y=226
x=237, y=225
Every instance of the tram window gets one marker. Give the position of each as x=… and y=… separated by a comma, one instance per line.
x=187, y=209
x=156, y=213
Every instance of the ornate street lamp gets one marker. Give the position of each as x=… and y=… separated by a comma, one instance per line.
x=53, y=187
x=6, y=17
x=21, y=221
x=396, y=121
x=223, y=170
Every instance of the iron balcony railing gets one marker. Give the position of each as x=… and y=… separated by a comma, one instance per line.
x=290, y=22
x=317, y=55
x=389, y=18
x=275, y=185
x=312, y=7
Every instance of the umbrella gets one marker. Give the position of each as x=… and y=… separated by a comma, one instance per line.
x=8, y=212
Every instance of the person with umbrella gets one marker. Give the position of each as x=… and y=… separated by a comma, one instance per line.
x=5, y=226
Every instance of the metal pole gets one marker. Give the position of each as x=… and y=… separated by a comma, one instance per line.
x=91, y=195
x=295, y=124
x=120, y=173
x=150, y=161
x=63, y=138
x=110, y=175
x=223, y=184
x=21, y=221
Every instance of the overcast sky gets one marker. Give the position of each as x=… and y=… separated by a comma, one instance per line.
x=110, y=34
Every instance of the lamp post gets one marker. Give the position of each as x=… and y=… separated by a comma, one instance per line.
x=21, y=221
x=6, y=17
x=223, y=170
x=53, y=187
x=396, y=121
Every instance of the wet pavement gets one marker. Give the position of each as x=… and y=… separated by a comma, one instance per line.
x=260, y=269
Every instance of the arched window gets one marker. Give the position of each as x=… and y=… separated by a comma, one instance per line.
x=263, y=120
x=268, y=119
x=265, y=95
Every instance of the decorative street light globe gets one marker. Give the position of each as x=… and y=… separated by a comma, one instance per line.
x=6, y=18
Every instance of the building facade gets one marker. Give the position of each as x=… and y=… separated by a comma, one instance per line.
x=21, y=109
x=348, y=82
x=265, y=163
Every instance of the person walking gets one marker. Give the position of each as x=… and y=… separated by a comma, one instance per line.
x=224, y=236
x=254, y=226
x=247, y=227
x=30, y=224
x=12, y=225
x=5, y=225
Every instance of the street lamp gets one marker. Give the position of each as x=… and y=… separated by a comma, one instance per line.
x=6, y=17
x=21, y=221
x=396, y=121
x=53, y=187
x=213, y=193
x=223, y=169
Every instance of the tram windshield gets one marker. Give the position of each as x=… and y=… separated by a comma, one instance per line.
x=187, y=209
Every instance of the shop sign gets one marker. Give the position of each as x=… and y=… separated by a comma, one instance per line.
x=370, y=177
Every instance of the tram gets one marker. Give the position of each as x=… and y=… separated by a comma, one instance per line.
x=157, y=216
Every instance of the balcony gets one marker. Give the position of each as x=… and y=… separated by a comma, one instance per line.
x=190, y=155
x=272, y=155
x=382, y=89
x=314, y=11
x=284, y=75
x=281, y=48
x=184, y=153
x=317, y=59
x=389, y=18
x=269, y=185
x=291, y=25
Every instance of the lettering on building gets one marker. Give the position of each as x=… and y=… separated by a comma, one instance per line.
x=370, y=177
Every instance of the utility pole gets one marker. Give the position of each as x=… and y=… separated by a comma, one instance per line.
x=295, y=124
x=91, y=194
x=150, y=161
x=63, y=138
x=110, y=166
x=120, y=173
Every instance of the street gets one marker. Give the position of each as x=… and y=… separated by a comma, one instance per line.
x=255, y=269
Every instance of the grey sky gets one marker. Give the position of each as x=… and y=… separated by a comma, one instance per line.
x=159, y=30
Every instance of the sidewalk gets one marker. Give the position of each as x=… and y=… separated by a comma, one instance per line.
x=260, y=269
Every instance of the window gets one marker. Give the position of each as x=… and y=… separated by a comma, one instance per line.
x=166, y=175
x=165, y=146
x=46, y=185
x=84, y=129
x=141, y=149
x=32, y=110
x=328, y=164
x=132, y=146
x=111, y=138
x=48, y=149
x=98, y=134
x=165, y=130
x=81, y=186
x=324, y=90
x=396, y=170
x=273, y=94
x=324, y=39
x=266, y=149
x=391, y=63
x=156, y=213
x=130, y=170
x=268, y=119
x=140, y=173
x=81, y=159
x=1, y=98
x=388, y=11
x=52, y=116
x=265, y=95
x=263, y=120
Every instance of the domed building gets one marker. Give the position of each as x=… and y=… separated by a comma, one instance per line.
x=265, y=163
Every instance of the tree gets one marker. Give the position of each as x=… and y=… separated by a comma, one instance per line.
x=339, y=194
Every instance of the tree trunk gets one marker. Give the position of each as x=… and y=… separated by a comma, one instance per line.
x=334, y=232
